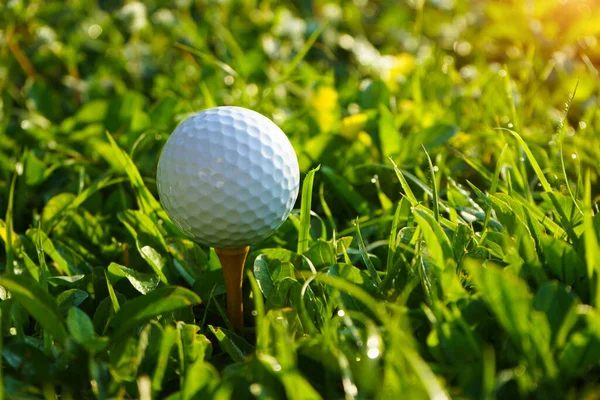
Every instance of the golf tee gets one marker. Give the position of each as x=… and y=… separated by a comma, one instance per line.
x=232, y=262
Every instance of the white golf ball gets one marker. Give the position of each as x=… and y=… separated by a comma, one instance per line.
x=228, y=177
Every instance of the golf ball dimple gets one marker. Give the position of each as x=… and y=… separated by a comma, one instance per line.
x=228, y=177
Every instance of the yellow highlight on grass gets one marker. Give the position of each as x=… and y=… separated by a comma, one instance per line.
x=324, y=103
x=397, y=68
x=353, y=124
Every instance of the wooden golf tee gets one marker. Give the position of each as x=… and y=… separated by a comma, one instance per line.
x=232, y=261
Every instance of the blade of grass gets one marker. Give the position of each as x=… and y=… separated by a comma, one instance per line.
x=517, y=127
x=407, y=190
x=9, y=227
x=305, y=207
x=392, y=238
x=493, y=189
x=38, y=303
x=262, y=328
x=208, y=97
x=325, y=207
x=168, y=340
x=207, y=58
x=365, y=256
x=1, y=366
x=534, y=164
x=436, y=196
x=111, y=293
x=301, y=54
x=561, y=138
x=592, y=248
x=399, y=338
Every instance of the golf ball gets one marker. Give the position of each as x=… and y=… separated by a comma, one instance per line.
x=228, y=177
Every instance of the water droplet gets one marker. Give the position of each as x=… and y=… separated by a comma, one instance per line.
x=373, y=353
x=254, y=313
x=435, y=168
x=582, y=125
x=252, y=90
x=94, y=31
x=19, y=168
x=256, y=389
x=228, y=80
x=510, y=125
x=341, y=313
x=522, y=159
x=277, y=367
x=573, y=156
x=353, y=390
x=357, y=359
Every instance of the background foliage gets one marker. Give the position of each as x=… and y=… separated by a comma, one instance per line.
x=465, y=265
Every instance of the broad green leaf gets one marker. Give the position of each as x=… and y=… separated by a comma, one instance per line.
x=511, y=302
x=70, y=298
x=354, y=275
x=137, y=311
x=435, y=252
x=104, y=312
x=143, y=283
x=196, y=347
x=321, y=253
x=55, y=206
x=148, y=239
x=556, y=302
x=263, y=275
x=227, y=343
x=38, y=303
x=296, y=387
x=580, y=353
x=168, y=339
x=201, y=381
x=562, y=259
x=439, y=233
x=436, y=135
x=60, y=263
x=507, y=296
x=34, y=169
x=82, y=330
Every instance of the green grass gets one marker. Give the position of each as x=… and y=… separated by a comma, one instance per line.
x=448, y=246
